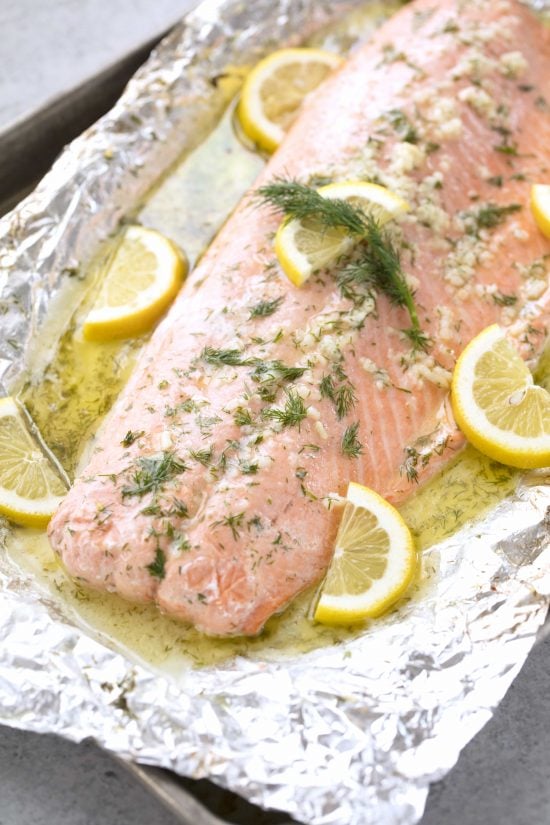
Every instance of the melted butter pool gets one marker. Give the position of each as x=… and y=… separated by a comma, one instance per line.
x=466, y=489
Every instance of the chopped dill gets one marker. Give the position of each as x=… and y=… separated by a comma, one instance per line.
x=249, y=468
x=503, y=300
x=178, y=508
x=272, y=375
x=293, y=413
x=326, y=387
x=156, y=568
x=242, y=417
x=234, y=521
x=203, y=456
x=264, y=309
x=506, y=148
x=491, y=215
x=351, y=446
x=345, y=399
x=343, y=396
x=153, y=473
x=402, y=125
x=152, y=510
x=130, y=437
x=206, y=423
x=225, y=357
x=408, y=467
x=181, y=543
x=379, y=265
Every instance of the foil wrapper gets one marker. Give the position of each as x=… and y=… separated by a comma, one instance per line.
x=350, y=734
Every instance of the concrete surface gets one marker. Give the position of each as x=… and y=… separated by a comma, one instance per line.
x=55, y=45
x=49, y=49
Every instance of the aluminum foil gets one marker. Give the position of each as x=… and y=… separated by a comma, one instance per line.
x=350, y=734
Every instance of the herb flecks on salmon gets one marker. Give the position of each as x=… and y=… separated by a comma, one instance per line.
x=274, y=406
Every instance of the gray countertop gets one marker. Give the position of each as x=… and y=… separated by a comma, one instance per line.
x=50, y=48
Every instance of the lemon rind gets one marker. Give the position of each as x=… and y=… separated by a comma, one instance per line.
x=24, y=511
x=137, y=317
x=295, y=264
x=540, y=206
x=265, y=133
x=382, y=595
x=503, y=446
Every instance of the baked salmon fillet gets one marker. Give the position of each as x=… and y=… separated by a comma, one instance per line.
x=211, y=484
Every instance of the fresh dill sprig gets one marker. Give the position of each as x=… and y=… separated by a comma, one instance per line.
x=296, y=200
x=152, y=473
x=351, y=446
x=379, y=266
x=293, y=413
x=263, y=309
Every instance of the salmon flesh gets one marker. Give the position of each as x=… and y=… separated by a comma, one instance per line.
x=212, y=486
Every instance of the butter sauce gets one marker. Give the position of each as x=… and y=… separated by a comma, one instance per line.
x=69, y=397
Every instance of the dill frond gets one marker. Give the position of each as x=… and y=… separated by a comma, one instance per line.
x=225, y=357
x=491, y=215
x=263, y=309
x=234, y=521
x=203, y=456
x=249, y=468
x=152, y=473
x=291, y=415
x=271, y=376
x=156, y=568
x=296, y=200
x=242, y=417
x=379, y=267
x=345, y=400
x=351, y=446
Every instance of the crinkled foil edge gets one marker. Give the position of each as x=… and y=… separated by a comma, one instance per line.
x=347, y=735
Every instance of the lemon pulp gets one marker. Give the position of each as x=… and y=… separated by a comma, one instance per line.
x=373, y=564
x=498, y=406
x=275, y=89
x=30, y=487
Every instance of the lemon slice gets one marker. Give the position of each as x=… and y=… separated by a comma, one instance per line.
x=304, y=246
x=540, y=206
x=497, y=405
x=373, y=564
x=143, y=277
x=275, y=89
x=30, y=489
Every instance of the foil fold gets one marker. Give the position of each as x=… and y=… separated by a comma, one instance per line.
x=350, y=734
